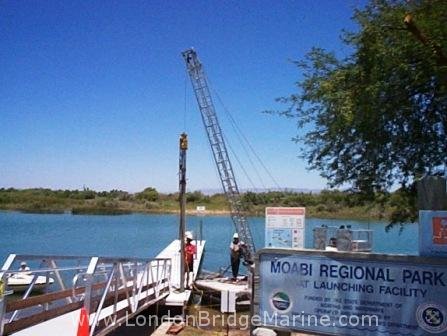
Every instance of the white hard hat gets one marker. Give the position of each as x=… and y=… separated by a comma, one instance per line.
x=188, y=235
x=23, y=263
x=235, y=235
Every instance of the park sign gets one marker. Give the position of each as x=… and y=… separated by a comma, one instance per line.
x=284, y=227
x=433, y=233
x=355, y=294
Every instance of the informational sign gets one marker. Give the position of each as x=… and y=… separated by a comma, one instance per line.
x=352, y=294
x=284, y=227
x=201, y=210
x=433, y=233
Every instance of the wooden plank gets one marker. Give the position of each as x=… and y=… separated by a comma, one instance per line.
x=34, y=319
x=47, y=298
x=40, y=317
x=162, y=329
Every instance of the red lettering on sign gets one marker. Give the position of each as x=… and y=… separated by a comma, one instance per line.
x=286, y=211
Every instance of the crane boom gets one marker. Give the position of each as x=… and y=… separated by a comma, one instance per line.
x=219, y=149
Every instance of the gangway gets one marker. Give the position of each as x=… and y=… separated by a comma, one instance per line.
x=111, y=290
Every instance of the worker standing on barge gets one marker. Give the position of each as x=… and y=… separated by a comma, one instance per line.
x=236, y=251
x=190, y=251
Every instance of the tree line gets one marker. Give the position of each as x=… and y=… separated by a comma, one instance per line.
x=326, y=203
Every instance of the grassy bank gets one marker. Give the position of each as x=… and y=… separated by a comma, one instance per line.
x=326, y=204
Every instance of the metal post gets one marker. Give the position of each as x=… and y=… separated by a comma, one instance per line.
x=47, y=283
x=182, y=199
x=4, y=288
x=25, y=296
x=201, y=231
x=101, y=302
x=2, y=305
x=134, y=287
x=88, y=286
x=252, y=274
x=124, y=283
x=197, y=234
x=52, y=264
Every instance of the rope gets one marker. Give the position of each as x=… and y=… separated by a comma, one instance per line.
x=239, y=162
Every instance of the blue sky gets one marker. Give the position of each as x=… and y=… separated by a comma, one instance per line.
x=93, y=92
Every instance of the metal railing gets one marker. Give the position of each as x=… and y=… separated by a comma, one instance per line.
x=110, y=289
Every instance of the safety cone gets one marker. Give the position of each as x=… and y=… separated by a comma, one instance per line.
x=83, y=325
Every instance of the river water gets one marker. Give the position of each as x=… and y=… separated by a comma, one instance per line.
x=144, y=235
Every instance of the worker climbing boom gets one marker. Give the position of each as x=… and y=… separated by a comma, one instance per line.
x=220, y=154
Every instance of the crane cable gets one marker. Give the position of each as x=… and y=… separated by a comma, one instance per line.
x=240, y=135
x=239, y=162
x=226, y=140
x=242, y=144
x=250, y=160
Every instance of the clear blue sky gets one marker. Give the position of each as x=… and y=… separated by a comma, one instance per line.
x=93, y=92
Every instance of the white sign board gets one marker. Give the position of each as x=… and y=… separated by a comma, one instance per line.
x=284, y=227
x=201, y=210
x=433, y=233
x=352, y=294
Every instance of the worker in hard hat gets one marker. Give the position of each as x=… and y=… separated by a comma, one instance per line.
x=190, y=251
x=236, y=250
x=24, y=267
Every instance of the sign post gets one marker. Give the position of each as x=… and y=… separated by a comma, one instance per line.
x=201, y=212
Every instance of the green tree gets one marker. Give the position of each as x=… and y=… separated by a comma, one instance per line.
x=195, y=196
x=149, y=194
x=378, y=117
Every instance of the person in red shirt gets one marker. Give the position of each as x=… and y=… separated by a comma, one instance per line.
x=190, y=251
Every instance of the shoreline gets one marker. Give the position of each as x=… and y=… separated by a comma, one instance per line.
x=189, y=212
x=326, y=204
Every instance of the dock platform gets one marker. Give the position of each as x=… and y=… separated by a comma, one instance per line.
x=213, y=289
x=222, y=285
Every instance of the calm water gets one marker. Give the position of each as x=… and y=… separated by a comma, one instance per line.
x=143, y=235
